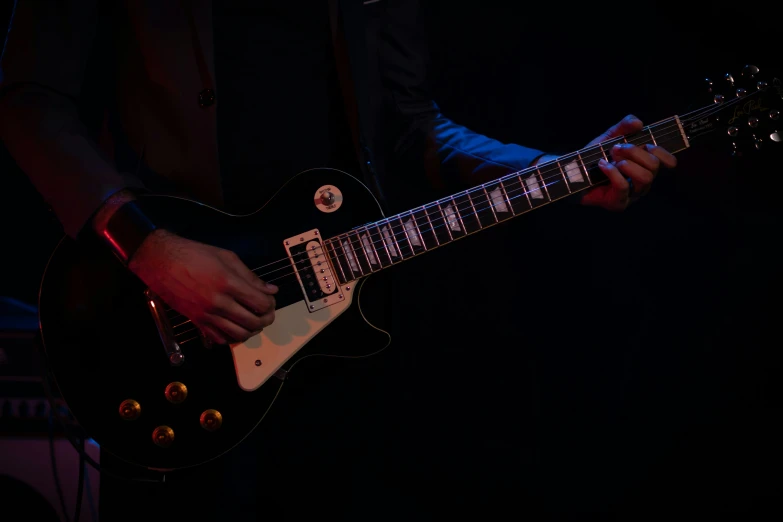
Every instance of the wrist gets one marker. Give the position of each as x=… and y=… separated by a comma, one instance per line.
x=152, y=243
x=122, y=224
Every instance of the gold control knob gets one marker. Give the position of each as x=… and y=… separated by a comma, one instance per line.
x=130, y=410
x=211, y=420
x=163, y=436
x=176, y=392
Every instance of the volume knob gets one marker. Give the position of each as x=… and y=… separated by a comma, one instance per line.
x=327, y=198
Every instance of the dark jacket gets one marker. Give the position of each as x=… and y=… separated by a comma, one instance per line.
x=60, y=63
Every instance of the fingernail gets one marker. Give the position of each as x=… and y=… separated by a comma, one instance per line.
x=271, y=286
x=602, y=162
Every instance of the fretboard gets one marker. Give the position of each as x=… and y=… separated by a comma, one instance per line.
x=382, y=244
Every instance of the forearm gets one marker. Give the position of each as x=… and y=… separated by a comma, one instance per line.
x=42, y=132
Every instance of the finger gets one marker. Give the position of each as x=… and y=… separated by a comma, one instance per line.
x=251, y=297
x=641, y=177
x=628, y=125
x=619, y=188
x=247, y=275
x=232, y=331
x=626, y=151
x=212, y=334
x=666, y=158
x=251, y=277
x=239, y=314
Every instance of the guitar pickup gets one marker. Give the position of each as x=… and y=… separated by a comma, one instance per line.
x=313, y=270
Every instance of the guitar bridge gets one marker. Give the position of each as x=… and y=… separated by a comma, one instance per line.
x=313, y=270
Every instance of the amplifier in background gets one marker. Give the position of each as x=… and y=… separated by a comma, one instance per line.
x=27, y=481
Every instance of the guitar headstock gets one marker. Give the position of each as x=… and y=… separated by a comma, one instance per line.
x=744, y=109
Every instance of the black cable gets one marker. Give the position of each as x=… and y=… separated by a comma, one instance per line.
x=53, y=460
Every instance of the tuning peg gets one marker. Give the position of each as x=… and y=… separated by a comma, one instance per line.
x=729, y=79
x=750, y=71
x=753, y=122
x=741, y=92
x=761, y=86
x=733, y=131
x=774, y=115
x=718, y=98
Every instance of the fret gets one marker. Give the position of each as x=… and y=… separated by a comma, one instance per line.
x=346, y=258
x=673, y=138
x=421, y=240
x=576, y=177
x=490, y=204
x=483, y=206
x=517, y=194
x=370, y=249
x=381, y=248
x=498, y=200
x=555, y=181
x=390, y=241
x=414, y=234
x=426, y=229
x=358, y=251
x=454, y=218
x=505, y=195
x=584, y=168
x=475, y=211
x=443, y=225
x=535, y=192
x=404, y=241
x=467, y=212
x=652, y=137
x=601, y=147
x=544, y=183
x=337, y=269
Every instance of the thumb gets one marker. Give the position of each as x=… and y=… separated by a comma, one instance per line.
x=628, y=125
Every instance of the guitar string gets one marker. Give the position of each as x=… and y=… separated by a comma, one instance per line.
x=399, y=230
x=354, y=250
x=671, y=122
x=699, y=113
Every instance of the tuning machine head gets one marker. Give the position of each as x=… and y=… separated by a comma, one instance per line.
x=745, y=107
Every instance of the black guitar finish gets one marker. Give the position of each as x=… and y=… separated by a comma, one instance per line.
x=103, y=347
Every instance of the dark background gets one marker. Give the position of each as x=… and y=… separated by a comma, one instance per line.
x=574, y=363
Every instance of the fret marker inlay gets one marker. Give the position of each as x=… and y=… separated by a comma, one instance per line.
x=574, y=172
x=452, y=219
x=351, y=258
x=497, y=201
x=533, y=187
x=413, y=234
x=369, y=249
x=389, y=243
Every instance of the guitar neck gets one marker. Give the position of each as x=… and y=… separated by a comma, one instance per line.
x=375, y=246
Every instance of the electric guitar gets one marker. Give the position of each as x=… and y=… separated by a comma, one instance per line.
x=145, y=385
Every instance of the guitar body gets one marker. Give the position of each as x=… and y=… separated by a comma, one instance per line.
x=107, y=356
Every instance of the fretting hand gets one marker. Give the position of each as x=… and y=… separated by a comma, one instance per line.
x=208, y=285
x=639, y=164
